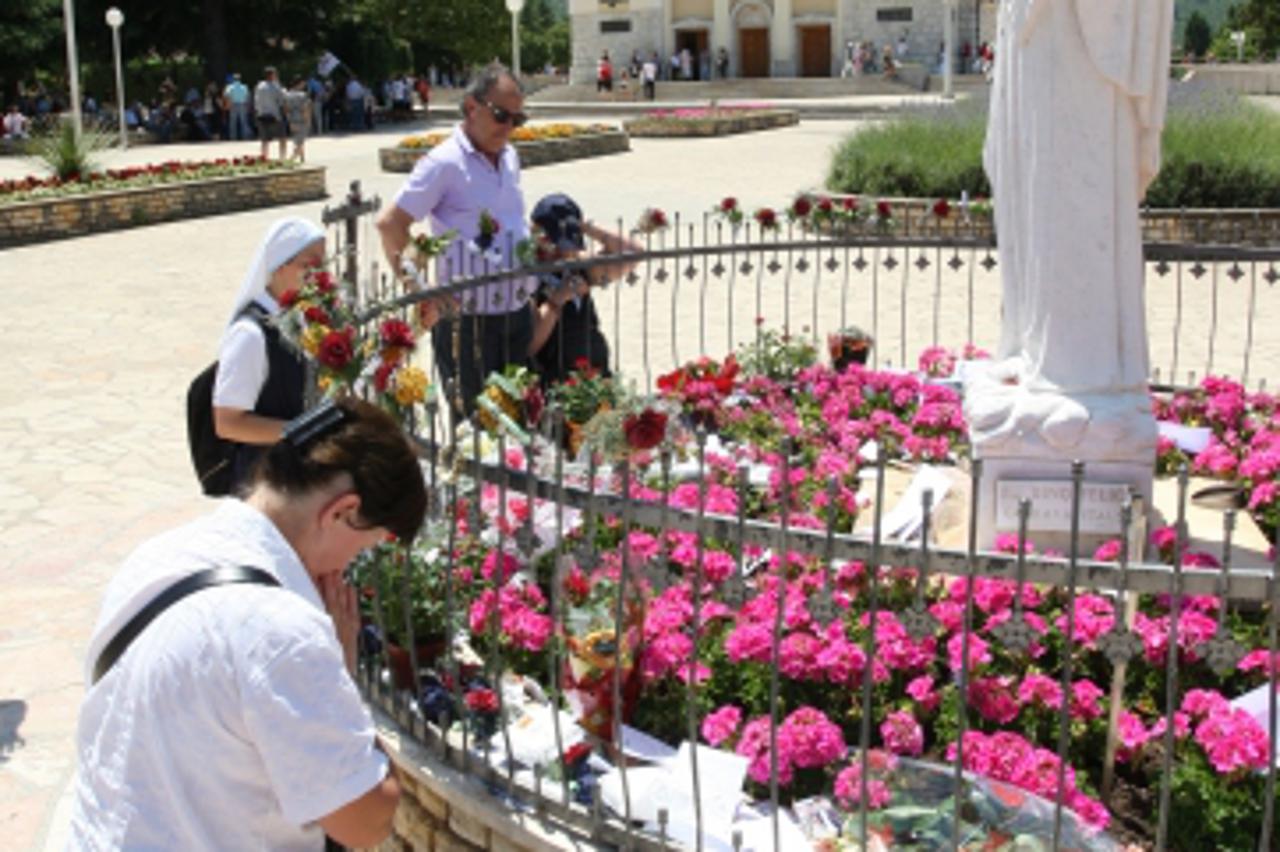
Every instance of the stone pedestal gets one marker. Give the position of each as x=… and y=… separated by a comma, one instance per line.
x=1029, y=434
x=1047, y=483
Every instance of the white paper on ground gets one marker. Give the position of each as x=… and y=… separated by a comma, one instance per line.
x=757, y=834
x=1190, y=439
x=533, y=736
x=669, y=785
x=904, y=520
x=640, y=745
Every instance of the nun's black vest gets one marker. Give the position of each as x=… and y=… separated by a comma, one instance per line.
x=282, y=396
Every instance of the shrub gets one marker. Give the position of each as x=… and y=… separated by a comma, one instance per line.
x=64, y=154
x=1219, y=151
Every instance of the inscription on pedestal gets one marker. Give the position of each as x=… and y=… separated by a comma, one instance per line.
x=1100, y=504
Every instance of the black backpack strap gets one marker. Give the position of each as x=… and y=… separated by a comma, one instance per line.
x=205, y=579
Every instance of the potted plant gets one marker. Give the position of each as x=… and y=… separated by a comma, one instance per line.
x=403, y=593
x=583, y=395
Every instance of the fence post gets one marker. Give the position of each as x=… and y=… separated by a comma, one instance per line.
x=349, y=213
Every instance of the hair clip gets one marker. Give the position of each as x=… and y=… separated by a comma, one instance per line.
x=310, y=426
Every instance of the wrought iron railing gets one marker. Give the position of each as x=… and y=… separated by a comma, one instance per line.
x=700, y=290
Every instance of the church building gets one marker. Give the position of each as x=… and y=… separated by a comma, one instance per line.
x=770, y=38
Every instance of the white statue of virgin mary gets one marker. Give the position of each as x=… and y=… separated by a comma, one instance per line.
x=1077, y=109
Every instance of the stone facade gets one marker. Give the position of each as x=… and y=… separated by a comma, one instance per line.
x=75, y=215
x=776, y=38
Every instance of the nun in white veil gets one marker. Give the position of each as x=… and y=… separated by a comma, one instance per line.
x=260, y=382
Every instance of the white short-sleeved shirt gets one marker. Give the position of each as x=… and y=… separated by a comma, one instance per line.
x=231, y=721
x=450, y=187
x=242, y=361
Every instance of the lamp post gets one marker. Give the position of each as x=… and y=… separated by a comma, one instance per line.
x=949, y=49
x=73, y=63
x=115, y=18
x=514, y=7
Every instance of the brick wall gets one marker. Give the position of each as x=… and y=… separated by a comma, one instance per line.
x=442, y=809
x=76, y=215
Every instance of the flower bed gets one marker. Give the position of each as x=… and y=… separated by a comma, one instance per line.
x=711, y=121
x=696, y=627
x=536, y=146
x=35, y=210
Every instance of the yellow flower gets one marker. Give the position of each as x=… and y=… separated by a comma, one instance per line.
x=324, y=383
x=312, y=335
x=409, y=385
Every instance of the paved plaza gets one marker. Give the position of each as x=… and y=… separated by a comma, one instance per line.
x=105, y=332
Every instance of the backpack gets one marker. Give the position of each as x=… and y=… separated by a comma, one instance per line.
x=211, y=456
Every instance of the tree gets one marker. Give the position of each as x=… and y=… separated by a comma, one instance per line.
x=1197, y=36
x=30, y=39
x=1262, y=16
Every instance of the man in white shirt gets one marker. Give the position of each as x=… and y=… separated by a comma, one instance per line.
x=473, y=175
x=231, y=721
x=649, y=75
x=15, y=123
x=355, y=104
x=268, y=107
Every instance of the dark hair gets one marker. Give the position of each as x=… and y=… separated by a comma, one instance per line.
x=484, y=83
x=371, y=448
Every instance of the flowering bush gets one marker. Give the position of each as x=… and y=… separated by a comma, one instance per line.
x=698, y=639
x=131, y=177
x=1244, y=443
x=533, y=133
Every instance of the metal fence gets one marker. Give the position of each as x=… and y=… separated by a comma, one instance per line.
x=706, y=289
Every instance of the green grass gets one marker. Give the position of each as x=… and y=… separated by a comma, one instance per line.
x=1219, y=151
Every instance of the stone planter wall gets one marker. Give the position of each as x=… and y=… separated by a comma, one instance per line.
x=76, y=215
x=444, y=810
x=719, y=126
x=915, y=217
x=539, y=153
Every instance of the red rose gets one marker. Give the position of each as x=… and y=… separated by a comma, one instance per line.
x=645, y=430
x=850, y=204
x=382, y=376
x=728, y=205
x=482, y=701
x=576, y=752
x=323, y=281
x=672, y=382
x=767, y=218
x=941, y=208
x=883, y=210
x=658, y=219
x=825, y=205
x=801, y=207
x=577, y=586
x=288, y=298
x=317, y=315
x=337, y=349
x=534, y=404
x=397, y=333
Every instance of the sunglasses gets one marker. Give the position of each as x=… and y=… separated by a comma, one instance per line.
x=503, y=116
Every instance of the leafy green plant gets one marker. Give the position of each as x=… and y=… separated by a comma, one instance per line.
x=67, y=156
x=1219, y=150
x=776, y=355
x=414, y=576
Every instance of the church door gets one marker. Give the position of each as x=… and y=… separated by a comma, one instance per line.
x=753, y=44
x=815, y=51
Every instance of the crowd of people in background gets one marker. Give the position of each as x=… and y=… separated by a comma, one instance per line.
x=293, y=108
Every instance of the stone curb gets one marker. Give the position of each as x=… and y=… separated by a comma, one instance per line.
x=76, y=215
x=648, y=127
x=538, y=153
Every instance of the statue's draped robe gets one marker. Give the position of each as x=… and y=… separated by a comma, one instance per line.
x=1077, y=109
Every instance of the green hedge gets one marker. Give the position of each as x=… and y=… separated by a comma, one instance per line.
x=1219, y=151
